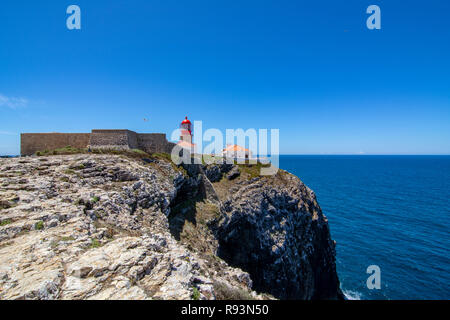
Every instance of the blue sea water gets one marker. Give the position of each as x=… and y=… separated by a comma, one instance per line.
x=390, y=211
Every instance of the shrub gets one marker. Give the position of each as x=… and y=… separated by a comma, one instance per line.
x=224, y=292
x=195, y=294
x=39, y=225
x=95, y=244
x=5, y=222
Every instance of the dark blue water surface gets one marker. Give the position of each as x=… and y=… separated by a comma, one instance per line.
x=390, y=211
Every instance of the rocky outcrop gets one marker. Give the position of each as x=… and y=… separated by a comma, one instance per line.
x=112, y=227
x=277, y=233
x=95, y=227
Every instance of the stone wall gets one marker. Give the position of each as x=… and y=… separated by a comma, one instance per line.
x=154, y=142
x=108, y=139
x=112, y=139
x=133, y=140
x=32, y=142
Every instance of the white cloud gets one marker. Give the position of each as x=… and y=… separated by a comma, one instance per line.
x=12, y=102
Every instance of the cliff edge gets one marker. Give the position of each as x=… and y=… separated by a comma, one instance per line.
x=103, y=226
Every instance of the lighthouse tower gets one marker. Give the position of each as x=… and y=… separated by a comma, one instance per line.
x=186, y=131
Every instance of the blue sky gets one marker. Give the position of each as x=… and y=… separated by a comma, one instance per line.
x=309, y=68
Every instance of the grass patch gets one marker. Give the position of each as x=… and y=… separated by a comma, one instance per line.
x=67, y=238
x=252, y=170
x=210, y=159
x=62, y=151
x=195, y=294
x=224, y=292
x=55, y=243
x=132, y=153
x=5, y=222
x=139, y=151
x=95, y=199
x=95, y=244
x=161, y=155
x=39, y=225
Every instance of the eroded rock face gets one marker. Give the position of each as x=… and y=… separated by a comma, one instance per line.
x=278, y=234
x=97, y=227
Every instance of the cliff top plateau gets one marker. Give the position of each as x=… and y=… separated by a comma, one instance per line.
x=111, y=226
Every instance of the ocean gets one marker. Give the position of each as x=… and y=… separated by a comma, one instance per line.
x=389, y=211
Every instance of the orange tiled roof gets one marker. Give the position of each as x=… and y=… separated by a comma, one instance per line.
x=234, y=147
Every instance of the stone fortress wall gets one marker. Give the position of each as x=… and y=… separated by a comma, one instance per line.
x=30, y=143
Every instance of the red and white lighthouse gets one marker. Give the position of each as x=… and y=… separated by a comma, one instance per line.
x=186, y=130
x=186, y=135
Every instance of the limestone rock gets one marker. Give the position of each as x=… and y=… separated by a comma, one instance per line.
x=98, y=226
x=95, y=227
x=278, y=234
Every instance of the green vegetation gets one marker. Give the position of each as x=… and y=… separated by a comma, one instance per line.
x=95, y=199
x=224, y=292
x=252, y=170
x=5, y=222
x=59, y=151
x=195, y=294
x=64, y=179
x=95, y=244
x=130, y=153
x=67, y=238
x=138, y=151
x=209, y=159
x=133, y=153
x=54, y=244
x=161, y=155
x=39, y=225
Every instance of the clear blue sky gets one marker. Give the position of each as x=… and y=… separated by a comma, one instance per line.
x=309, y=68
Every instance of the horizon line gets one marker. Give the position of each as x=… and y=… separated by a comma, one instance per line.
x=321, y=154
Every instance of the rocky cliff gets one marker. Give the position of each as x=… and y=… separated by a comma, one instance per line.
x=102, y=226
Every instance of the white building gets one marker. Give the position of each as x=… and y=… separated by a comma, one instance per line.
x=236, y=152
